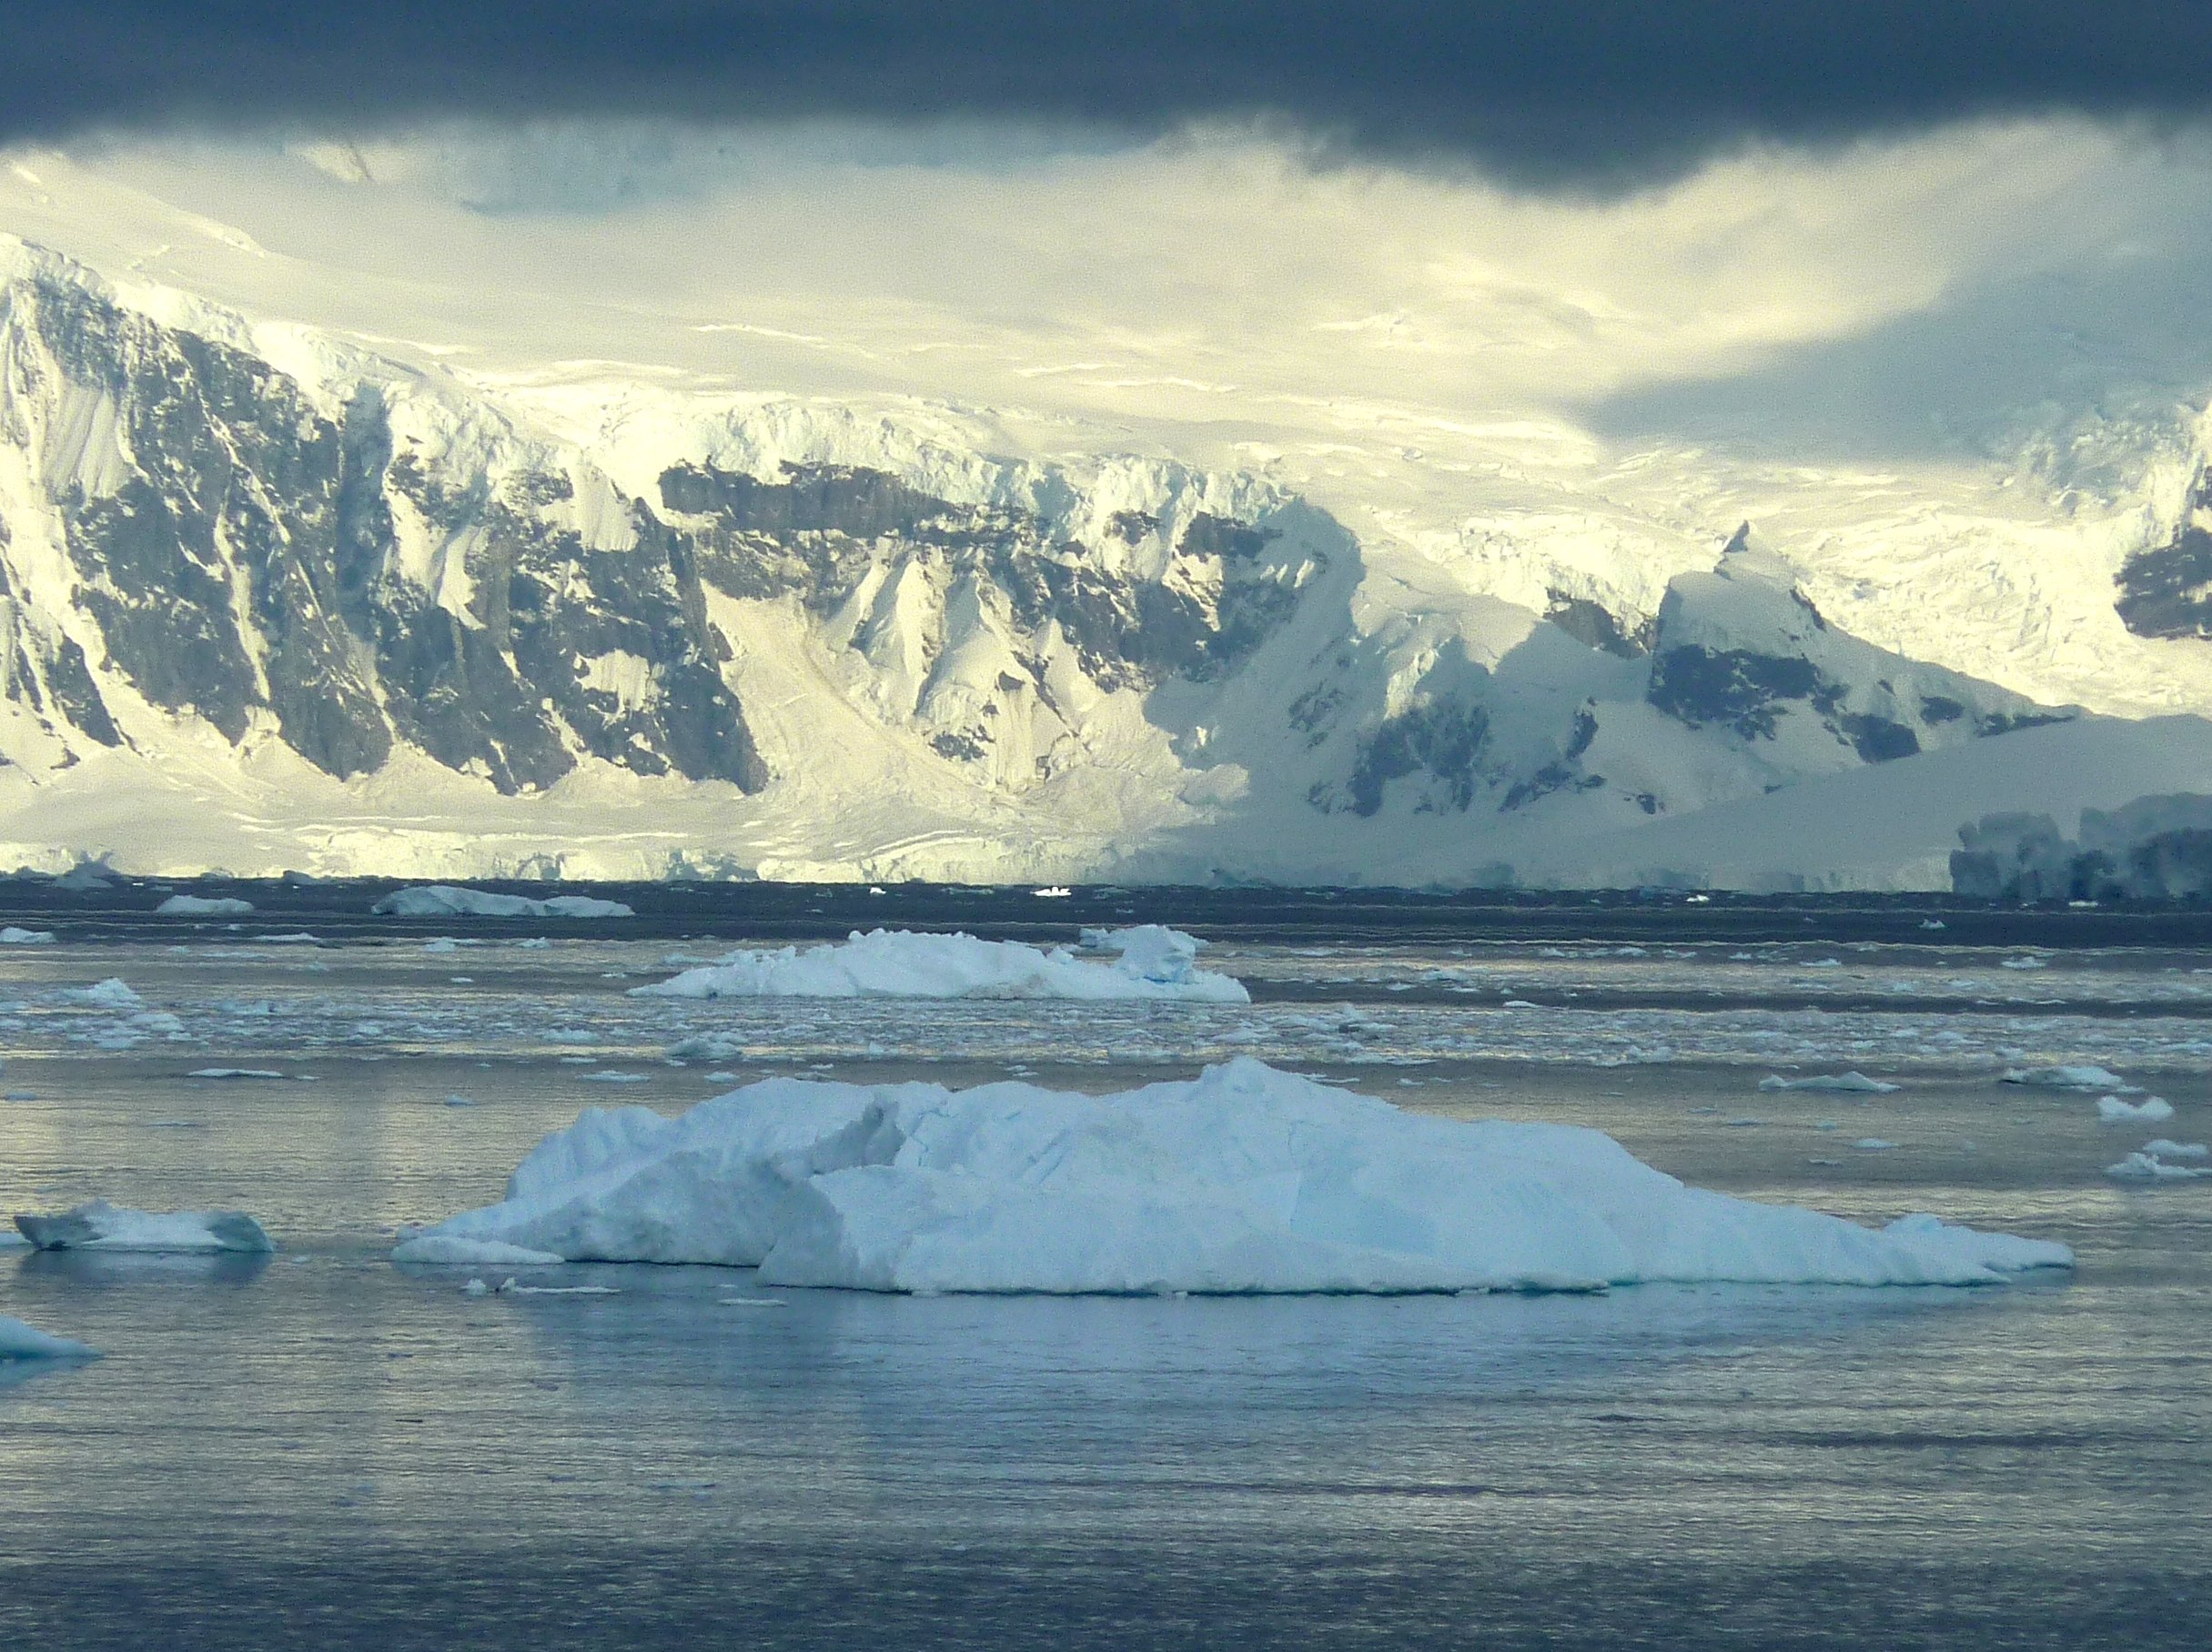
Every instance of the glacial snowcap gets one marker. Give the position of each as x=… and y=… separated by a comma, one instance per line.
x=1242, y=1179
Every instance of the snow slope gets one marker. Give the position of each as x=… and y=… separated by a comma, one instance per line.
x=1244, y=1179
x=287, y=581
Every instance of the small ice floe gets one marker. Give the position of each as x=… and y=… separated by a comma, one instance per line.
x=2151, y=1110
x=102, y=1226
x=1519, y=1004
x=2146, y=1166
x=1824, y=964
x=752, y=1302
x=203, y=906
x=244, y=1072
x=444, y=943
x=114, y=993
x=536, y=943
x=2027, y=961
x=1873, y=1144
x=1853, y=1083
x=1932, y=923
x=608, y=1075
x=1180, y=1186
x=707, y=1047
x=2164, y=1149
x=1053, y=892
x=19, y=1341
x=1155, y=963
x=569, y=1035
x=2069, y=1078
x=297, y=938
x=445, y=900
x=446, y=1251
x=13, y=936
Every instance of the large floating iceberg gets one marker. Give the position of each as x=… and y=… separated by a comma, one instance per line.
x=1243, y=1180
x=445, y=900
x=102, y=1226
x=1153, y=963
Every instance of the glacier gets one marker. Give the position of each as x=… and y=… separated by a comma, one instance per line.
x=1243, y=1180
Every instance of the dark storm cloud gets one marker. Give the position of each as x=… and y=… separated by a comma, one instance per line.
x=1544, y=91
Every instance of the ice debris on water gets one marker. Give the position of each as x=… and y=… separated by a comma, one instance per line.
x=102, y=1226
x=445, y=900
x=2145, y=1166
x=2069, y=1078
x=1245, y=1179
x=114, y=993
x=205, y=906
x=238, y=1073
x=14, y=935
x=2152, y=1110
x=1855, y=1083
x=2165, y=1149
x=1154, y=962
x=20, y=1341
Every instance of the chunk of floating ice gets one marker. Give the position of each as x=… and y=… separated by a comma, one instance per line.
x=19, y=1341
x=1873, y=1144
x=2164, y=1149
x=1053, y=892
x=1245, y=1179
x=1856, y=1083
x=2070, y=1078
x=2028, y=962
x=14, y=936
x=102, y=1226
x=219, y=906
x=2150, y=1167
x=900, y=963
x=707, y=1047
x=607, y=1075
x=113, y=994
x=262, y=1073
x=2152, y=1110
x=444, y=1250
x=444, y=901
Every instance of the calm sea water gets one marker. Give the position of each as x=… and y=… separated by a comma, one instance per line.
x=322, y=1450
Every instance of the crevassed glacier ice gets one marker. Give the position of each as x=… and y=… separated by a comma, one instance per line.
x=20, y=1341
x=1154, y=962
x=1242, y=1179
x=445, y=900
x=102, y=1226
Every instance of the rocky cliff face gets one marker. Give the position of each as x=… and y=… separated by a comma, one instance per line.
x=214, y=531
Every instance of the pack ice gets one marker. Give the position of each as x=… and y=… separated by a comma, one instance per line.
x=1242, y=1179
x=1153, y=961
x=102, y=1226
x=445, y=900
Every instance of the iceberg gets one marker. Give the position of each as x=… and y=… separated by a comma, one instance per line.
x=1154, y=962
x=102, y=1226
x=1242, y=1179
x=1853, y=1083
x=19, y=1341
x=2111, y=1110
x=202, y=906
x=114, y=993
x=445, y=1250
x=445, y=900
x=2069, y=1078
x=2148, y=1166
x=15, y=935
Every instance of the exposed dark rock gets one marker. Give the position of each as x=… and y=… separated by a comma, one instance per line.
x=1595, y=626
x=2167, y=591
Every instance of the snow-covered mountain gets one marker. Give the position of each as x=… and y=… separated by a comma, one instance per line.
x=270, y=597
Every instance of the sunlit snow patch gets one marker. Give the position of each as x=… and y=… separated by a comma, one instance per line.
x=102, y=1226
x=445, y=900
x=1242, y=1179
x=19, y=1341
x=1155, y=963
